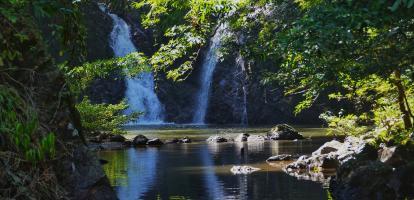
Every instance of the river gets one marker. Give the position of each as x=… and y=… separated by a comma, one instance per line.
x=200, y=170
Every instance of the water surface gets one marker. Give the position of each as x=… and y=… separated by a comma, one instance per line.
x=202, y=171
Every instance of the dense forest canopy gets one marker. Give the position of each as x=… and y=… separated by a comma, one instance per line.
x=359, y=51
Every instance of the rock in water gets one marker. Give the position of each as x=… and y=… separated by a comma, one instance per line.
x=185, y=140
x=117, y=138
x=281, y=157
x=140, y=140
x=216, y=139
x=242, y=137
x=155, y=142
x=256, y=138
x=284, y=132
x=243, y=169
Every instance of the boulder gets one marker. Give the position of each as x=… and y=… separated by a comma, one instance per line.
x=284, y=132
x=328, y=147
x=216, y=139
x=242, y=137
x=281, y=157
x=331, y=155
x=256, y=138
x=155, y=142
x=117, y=138
x=139, y=140
x=243, y=169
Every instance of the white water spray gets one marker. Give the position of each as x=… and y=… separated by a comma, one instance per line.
x=140, y=89
x=240, y=63
x=206, y=76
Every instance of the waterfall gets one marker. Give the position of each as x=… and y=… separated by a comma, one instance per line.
x=240, y=63
x=206, y=76
x=140, y=89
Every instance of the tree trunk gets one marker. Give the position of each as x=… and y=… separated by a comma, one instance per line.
x=401, y=100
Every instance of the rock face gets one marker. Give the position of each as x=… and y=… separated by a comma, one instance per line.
x=362, y=171
x=388, y=175
x=216, y=139
x=87, y=176
x=284, y=132
x=140, y=140
x=243, y=169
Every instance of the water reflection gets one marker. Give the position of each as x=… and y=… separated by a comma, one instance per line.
x=132, y=171
x=202, y=171
x=211, y=182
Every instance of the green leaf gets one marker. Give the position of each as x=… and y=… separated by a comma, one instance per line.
x=396, y=5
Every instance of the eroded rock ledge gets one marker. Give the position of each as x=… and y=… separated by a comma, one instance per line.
x=354, y=169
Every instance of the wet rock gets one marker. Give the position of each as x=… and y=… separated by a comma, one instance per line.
x=389, y=155
x=155, y=142
x=243, y=169
x=330, y=156
x=328, y=147
x=173, y=141
x=178, y=141
x=128, y=143
x=185, y=140
x=242, y=137
x=281, y=157
x=117, y=138
x=256, y=138
x=139, y=140
x=216, y=139
x=362, y=180
x=284, y=132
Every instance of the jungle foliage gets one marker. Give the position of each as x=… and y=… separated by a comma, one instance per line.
x=359, y=51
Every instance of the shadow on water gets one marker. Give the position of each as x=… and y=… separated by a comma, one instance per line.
x=202, y=171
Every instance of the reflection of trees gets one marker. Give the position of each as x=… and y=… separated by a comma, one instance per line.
x=116, y=169
x=133, y=170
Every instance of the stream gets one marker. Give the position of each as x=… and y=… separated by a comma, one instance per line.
x=201, y=170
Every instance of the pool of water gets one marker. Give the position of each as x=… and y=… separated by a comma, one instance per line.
x=202, y=171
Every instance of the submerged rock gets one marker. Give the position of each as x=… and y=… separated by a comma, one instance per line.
x=155, y=142
x=243, y=169
x=242, y=137
x=284, y=132
x=216, y=139
x=139, y=140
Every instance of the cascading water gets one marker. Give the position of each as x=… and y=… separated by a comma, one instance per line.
x=140, y=89
x=206, y=76
x=240, y=63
